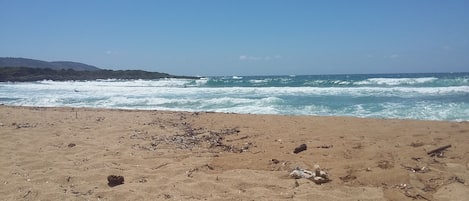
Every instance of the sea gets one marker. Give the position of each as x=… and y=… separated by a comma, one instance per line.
x=424, y=96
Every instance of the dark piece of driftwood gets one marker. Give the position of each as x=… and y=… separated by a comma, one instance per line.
x=438, y=150
x=300, y=148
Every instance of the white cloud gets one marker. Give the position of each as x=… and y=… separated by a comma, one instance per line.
x=243, y=57
x=394, y=56
x=110, y=52
x=254, y=58
x=446, y=47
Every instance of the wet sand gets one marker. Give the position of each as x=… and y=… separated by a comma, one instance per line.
x=68, y=154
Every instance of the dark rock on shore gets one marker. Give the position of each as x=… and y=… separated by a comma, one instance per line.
x=114, y=180
x=300, y=148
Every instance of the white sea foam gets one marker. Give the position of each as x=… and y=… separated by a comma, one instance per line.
x=136, y=88
x=396, y=81
x=260, y=81
x=177, y=87
x=386, y=97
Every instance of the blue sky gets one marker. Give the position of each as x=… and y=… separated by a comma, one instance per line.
x=255, y=37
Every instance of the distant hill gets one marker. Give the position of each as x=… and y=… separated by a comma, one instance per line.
x=74, y=65
x=24, y=70
x=54, y=65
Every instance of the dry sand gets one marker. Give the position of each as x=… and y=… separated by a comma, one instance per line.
x=68, y=153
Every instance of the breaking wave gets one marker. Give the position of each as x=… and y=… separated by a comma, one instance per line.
x=430, y=97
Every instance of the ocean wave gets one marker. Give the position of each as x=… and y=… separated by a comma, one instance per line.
x=166, y=82
x=349, y=91
x=426, y=97
x=143, y=88
x=396, y=81
x=257, y=81
x=391, y=110
x=284, y=81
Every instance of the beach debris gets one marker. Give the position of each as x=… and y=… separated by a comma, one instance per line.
x=192, y=170
x=229, y=131
x=300, y=148
x=357, y=146
x=416, y=168
x=160, y=166
x=325, y=146
x=140, y=135
x=428, y=188
x=114, y=180
x=296, y=184
x=318, y=176
x=208, y=166
x=78, y=193
x=71, y=145
x=278, y=165
x=241, y=138
x=384, y=164
x=167, y=196
x=27, y=193
x=457, y=179
x=299, y=173
x=246, y=146
x=414, y=195
x=403, y=186
x=189, y=137
x=23, y=125
x=411, y=192
x=152, y=146
x=416, y=144
x=438, y=151
x=194, y=137
x=348, y=177
x=416, y=159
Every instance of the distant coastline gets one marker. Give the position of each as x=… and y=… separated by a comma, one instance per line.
x=27, y=70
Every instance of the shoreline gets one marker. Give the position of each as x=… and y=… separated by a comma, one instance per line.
x=63, y=153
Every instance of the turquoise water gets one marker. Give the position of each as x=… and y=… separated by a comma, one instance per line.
x=442, y=96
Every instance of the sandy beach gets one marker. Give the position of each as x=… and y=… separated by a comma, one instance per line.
x=68, y=154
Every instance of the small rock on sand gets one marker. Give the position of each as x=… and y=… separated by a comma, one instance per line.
x=300, y=148
x=114, y=180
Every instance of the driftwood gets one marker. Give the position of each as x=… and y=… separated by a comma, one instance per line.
x=300, y=148
x=325, y=146
x=438, y=151
x=416, y=168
